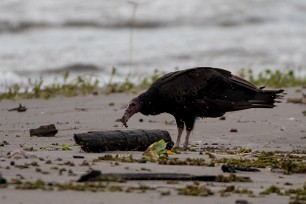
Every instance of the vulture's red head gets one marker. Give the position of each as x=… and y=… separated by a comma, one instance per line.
x=133, y=107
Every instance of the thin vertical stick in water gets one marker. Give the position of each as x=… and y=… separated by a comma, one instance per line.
x=131, y=43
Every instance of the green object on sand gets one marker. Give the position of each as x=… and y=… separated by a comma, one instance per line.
x=156, y=150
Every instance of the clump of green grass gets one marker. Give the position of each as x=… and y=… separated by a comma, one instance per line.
x=231, y=178
x=35, y=89
x=274, y=78
x=187, y=161
x=85, y=86
x=39, y=184
x=78, y=86
x=142, y=188
x=117, y=157
x=100, y=186
x=272, y=189
x=196, y=189
x=273, y=160
x=232, y=189
x=147, y=81
x=298, y=195
x=243, y=150
x=116, y=87
x=128, y=85
x=88, y=186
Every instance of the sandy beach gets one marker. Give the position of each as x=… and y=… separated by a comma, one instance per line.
x=280, y=129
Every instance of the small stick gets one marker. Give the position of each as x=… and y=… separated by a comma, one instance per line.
x=124, y=123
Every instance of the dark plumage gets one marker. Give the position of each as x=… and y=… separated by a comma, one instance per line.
x=199, y=92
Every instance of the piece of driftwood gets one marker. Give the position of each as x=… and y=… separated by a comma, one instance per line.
x=126, y=140
x=232, y=169
x=20, y=108
x=44, y=131
x=78, y=157
x=96, y=175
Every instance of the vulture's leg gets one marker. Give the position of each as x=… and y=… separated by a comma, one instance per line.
x=180, y=128
x=186, y=139
x=189, y=126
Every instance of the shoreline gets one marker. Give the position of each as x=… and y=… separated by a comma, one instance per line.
x=280, y=129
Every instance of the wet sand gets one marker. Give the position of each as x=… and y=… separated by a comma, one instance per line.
x=280, y=129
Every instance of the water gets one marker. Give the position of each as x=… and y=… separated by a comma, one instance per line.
x=44, y=38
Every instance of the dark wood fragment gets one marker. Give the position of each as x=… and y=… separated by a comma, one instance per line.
x=232, y=169
x=91, y=176
x=20, y=108
x=249, y=169
x=124, y=140
x=241, y=201
x=44, y=131
x=228, y=169
x=78, y=157
x=96, y=175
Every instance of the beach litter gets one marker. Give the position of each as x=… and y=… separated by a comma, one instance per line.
x=44, y=131
x=20, y=154
x=156, y=150
x=20, y=108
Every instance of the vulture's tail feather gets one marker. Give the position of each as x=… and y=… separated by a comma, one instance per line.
x=263, y=99
x=266, y=98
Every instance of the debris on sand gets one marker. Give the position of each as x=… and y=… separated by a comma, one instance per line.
x=156, y=150
x=44, y=131
x=297, y=100
x=196, y=189
x=20, y=108
x=96, y=175
x=90, y=176
x=233, y=130
x=19, y=154
x=232, y=169
x=3, y=143
x=78, y=157
x=2, y=179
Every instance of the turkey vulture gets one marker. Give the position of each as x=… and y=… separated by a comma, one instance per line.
x=197, y=93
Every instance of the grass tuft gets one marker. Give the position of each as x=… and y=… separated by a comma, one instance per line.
x=275, y=79
x=82, y=85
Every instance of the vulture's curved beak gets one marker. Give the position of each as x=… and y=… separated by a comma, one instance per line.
x=132, y=108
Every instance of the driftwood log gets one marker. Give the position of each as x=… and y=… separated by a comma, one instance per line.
x=126, y=140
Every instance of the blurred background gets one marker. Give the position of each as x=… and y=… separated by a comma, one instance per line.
x=47, y=37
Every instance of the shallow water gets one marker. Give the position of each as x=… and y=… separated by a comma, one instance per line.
x=43, y=38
